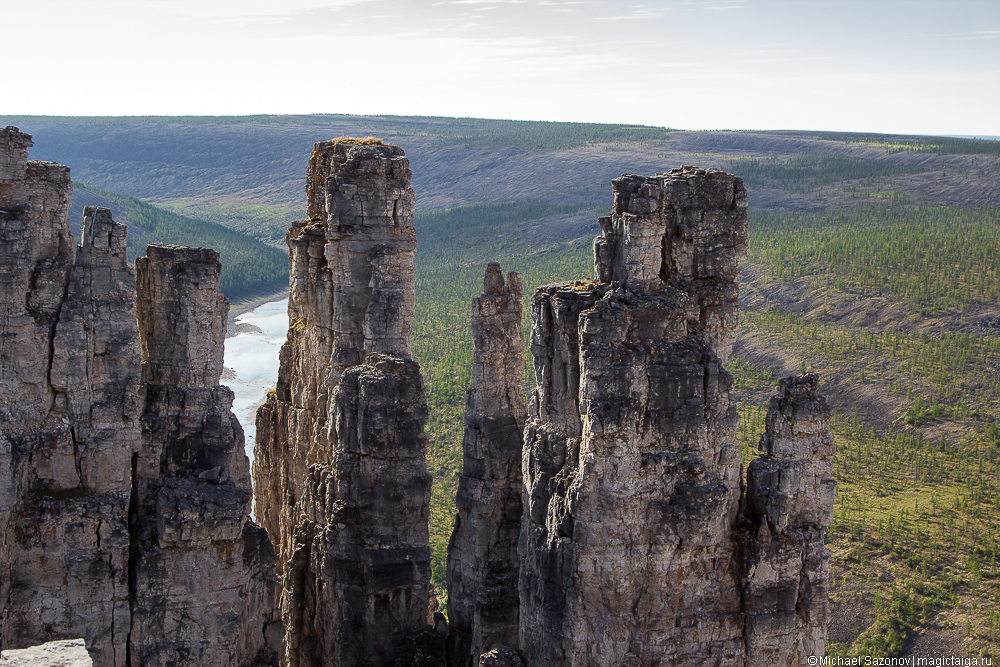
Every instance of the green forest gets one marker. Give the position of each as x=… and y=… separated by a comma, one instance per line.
x=250, y=268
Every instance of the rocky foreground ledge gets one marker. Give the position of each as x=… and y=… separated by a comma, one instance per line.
x=65, y=653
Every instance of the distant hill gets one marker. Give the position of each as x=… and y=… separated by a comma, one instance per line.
x=248, y=173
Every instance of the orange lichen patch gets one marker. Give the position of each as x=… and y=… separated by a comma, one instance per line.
x=363, y=141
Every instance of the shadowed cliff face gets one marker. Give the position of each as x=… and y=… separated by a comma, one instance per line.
x=483, y=561
x=631, y=466
x=202, y=573
x=341, y=480
x=124, y=506
x=788, y=510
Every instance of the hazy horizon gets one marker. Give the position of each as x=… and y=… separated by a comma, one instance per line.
x=891, y=66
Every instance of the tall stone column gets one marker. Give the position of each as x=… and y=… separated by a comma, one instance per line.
x=202, y=574
x=68, y=413
x=483, y=561
x=340, y=472
x=789, y=508
x=631, y=464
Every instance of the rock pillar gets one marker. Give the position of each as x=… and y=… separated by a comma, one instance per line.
x=631, y=464
x=483, y=561
x=202, y=573
x=789, y=507
x=340, y=473
x=68, y=413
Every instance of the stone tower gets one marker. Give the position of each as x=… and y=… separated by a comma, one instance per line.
x=639, y=548
x=203, y=573
x=340, y=472
x=69, y=367
x=483, y=562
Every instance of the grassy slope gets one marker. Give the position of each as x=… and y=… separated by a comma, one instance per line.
x=894, y=307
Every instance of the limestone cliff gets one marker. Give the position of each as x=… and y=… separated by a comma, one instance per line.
x=634, y=549
x=483, y=562
x=789, y=507
x=631, y=464
x=339, y=469
x=68, y=419
x=202, y=573
x=124, y=505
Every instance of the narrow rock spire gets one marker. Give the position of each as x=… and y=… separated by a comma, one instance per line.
x=632, y=469
x=635, y=548
x=68, y=413
x=340, y=470
x=128, y=499
x=202, y=573
x=789, y=508
x=483, y=562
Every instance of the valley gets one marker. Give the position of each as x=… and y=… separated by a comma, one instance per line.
x=873, y=262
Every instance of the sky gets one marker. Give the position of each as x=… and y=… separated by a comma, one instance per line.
x=892, y=66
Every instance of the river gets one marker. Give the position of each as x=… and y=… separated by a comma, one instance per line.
x=252, y=356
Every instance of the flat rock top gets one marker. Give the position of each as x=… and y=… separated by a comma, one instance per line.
x=66, y=653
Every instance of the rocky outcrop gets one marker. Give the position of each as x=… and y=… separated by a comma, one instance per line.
x=634, y=551
x=339, y=469
x=124, y=505
x=789, y=507
x=203, y=575
x=66, y=653
x=631, y=465
x=483, y=562
x=68, y=416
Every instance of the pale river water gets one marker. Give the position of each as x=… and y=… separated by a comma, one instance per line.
x=253, y=357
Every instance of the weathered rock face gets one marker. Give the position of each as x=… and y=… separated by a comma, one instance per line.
x=351, y=290
x=631, y=464
x=634, y=551
x=203, y=574
x=686, y=229
x=340, y=474
x=789, y=507
x=483, y=561
x=68, y=414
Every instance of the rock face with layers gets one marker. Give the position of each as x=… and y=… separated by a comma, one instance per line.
x=789, y=507
x=633, y=546
x=203, y=574
x=124, y=505
x=631, y=463
x=340, y=473
x=483, y=562
x=68, y=414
